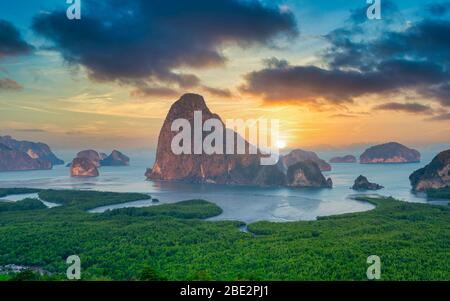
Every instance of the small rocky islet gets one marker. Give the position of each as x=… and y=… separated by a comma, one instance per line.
x=116, y=158
x=88, y=162
x=344, y=159
x=363, y=184
x=83, y=167
x=90, y=155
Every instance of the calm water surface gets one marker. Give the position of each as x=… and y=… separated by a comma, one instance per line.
x=246, y=204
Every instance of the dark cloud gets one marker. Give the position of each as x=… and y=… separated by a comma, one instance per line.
x=345, y=52
x=276, y=63
x=11, y=42
x=441, y=117
x=312, y=84
x=439, y=9
x=9, y=84
x=145, y=91
x=428, y=40
x=390, y=12
x=347, y=44
x=404, y=107
x=134, y=40
x=226, y=93
x=360, y=61
x=344, y=116
x=440, y=92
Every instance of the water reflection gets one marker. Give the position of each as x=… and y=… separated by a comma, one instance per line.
x=247, y=204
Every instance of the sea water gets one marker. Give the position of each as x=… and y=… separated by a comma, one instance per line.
x=247, y=204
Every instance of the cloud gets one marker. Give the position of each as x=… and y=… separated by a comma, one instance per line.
x=9, y=84
x=439, y=92
x=344, y=116
x=307, y=84
x=441, y=117
x=137, y=40
x=361, y=61
x=145, y=91
x=11, y=42
x=404, y=107
x=439, y=9
x=389, y=8
x=427, y=40
x=225, y=93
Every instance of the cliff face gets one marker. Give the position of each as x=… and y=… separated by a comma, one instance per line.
x=270, y=176
x=91, y=155
x=344, y=159
x=35, y=150
x=83, y=167
x=390, y=153
x=434, y=175
x=203, y=168
x=116, y=158
x=215, y=168
x=299, y=155
x=14, y=160
x=307, y=174
x=25, y=155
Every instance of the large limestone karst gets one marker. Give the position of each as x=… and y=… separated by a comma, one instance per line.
x=235, y=169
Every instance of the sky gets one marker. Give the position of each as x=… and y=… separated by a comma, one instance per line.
x=331, y=76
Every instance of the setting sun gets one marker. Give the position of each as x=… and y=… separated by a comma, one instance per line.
x=281, y=144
